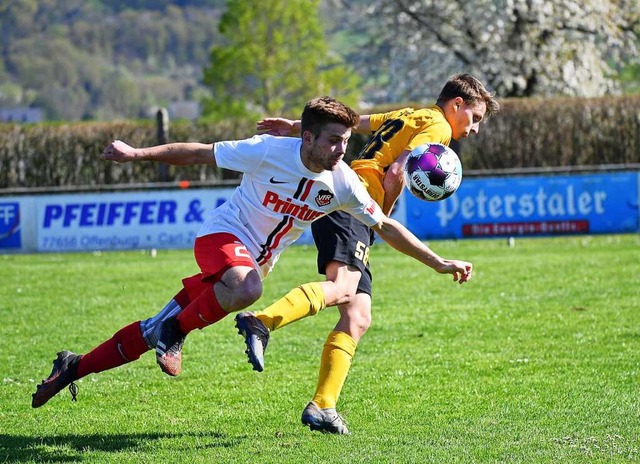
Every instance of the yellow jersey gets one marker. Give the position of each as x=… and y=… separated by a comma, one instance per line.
x=394, y=132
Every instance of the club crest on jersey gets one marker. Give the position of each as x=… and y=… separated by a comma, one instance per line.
x=324, y=197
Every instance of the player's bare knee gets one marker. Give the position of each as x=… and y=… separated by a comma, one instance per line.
x=363, y=322
x=245, y=300
x=354, y=320
x=246, y=294
x=239, y=288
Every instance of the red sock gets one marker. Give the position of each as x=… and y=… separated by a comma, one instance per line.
x=182, y=298
x=125, y=346
x=192, y=287
x=201, y=312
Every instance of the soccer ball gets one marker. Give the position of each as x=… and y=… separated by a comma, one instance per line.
x=433, y=172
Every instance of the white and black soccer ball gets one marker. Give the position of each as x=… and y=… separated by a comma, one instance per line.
x=433, y=172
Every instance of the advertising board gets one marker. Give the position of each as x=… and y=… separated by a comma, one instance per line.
x=481, y=208
x=530, y=206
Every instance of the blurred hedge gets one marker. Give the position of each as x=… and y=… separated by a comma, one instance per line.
x=526, y=133
x=557, y=132
x=52, y=155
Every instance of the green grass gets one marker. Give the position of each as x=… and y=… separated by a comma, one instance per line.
x=536, y=359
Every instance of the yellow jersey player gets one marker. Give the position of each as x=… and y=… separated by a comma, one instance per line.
x=343, y=243
x=395, y=134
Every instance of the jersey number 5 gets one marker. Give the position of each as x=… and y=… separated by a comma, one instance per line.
x=362, y=252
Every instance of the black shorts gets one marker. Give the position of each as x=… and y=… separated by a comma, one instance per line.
x=340, y=237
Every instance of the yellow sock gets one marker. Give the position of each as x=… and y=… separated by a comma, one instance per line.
x=305, y=300
x=336, y=360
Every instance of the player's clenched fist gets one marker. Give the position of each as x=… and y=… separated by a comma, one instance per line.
x=119, y=152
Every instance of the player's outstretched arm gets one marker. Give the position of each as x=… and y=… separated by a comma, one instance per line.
x=278, y=126
x=364, y=126
x=400, y=238
x=179, y=154
x=289, y=127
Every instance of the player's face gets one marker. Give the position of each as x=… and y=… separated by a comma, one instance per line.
x=464, y=118
x=325, y=151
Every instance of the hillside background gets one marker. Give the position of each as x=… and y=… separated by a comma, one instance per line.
x=105, y=60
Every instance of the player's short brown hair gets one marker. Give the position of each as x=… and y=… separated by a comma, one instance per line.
x=470, y=89
x=321, y=111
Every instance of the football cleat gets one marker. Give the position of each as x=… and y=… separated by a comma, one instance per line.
x=64, y=372
x=256, y=337
x=324, y=420
x=169, y=347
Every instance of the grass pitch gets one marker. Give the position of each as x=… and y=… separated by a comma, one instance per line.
x=536, y=359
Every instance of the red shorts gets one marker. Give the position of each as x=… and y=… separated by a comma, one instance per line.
x=216, y=253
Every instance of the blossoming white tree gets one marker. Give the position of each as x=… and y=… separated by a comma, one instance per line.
x=520, y=47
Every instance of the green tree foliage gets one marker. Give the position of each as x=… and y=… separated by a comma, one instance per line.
x=273, y=60
x=630, y=79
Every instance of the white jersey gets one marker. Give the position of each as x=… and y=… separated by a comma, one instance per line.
x=279, y=197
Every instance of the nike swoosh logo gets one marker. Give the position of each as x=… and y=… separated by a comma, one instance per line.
x=273, y=181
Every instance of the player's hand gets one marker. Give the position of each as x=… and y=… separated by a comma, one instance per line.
x=276, y=126
x=119, y=152
x=461, y=270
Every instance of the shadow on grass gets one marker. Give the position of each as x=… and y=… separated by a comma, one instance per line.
x=74, y=448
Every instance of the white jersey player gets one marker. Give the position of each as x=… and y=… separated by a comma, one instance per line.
x=279, y=196
x=287, y=184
